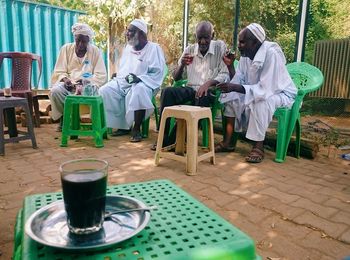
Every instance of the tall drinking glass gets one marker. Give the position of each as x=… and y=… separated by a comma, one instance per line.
x=84, y=184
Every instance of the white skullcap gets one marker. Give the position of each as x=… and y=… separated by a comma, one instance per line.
x=258, y=31
x=141, y=24
x=82, y=28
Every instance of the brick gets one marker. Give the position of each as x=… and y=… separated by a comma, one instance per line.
x=304, y=192
x=345, y=237
x=341, y=217
x=281, y=186
x=331, y=185
x=316, y=209
x=328, y=247
x=339, y=204
x=341, y=195
x=286, y=228
x=283, y=197
x=254, y=214
x=330, y=228
x=213, y=193
x=273, y=204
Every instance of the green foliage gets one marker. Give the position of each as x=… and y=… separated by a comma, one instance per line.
x=322, y=106
x=328, y=19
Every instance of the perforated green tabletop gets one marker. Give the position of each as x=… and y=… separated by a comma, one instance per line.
x=181, y=228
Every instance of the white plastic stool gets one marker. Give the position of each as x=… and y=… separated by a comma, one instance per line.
x=187, y=121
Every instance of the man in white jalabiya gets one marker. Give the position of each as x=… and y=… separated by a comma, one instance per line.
x=260, y=86
x=128, y=96
x=68, y=70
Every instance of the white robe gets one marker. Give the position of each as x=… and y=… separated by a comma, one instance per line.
x=120, y=98
x=268, y=86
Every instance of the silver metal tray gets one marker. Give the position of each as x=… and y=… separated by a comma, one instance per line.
x=48, y=225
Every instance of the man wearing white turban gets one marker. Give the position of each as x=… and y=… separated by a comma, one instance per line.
x=128, y=96
x=69, y=68
x=260, y=86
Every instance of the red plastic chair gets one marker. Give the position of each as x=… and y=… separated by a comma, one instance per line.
x=21, y=81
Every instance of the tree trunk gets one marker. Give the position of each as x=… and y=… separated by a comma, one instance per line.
x=115, y=44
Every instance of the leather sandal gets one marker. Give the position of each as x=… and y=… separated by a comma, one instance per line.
x=221, y=148
x=120, y=132
x=136, y=137
x=255, y=156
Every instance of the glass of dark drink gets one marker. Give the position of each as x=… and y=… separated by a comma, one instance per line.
x=84, y=184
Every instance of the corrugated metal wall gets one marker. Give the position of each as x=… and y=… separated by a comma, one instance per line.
x=332, y=57
x=36, y=28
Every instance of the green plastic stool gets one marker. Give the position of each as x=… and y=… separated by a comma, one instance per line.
x=71, y=119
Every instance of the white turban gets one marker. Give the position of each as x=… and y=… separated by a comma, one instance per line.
x=258, y=31
x=82, y=28
x=141, y=24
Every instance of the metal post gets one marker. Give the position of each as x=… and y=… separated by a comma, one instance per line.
x=302, y=30
x=236, y=24
x=185, y=24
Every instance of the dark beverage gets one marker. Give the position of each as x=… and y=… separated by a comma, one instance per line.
x=84, y=195
x=230, y=54
x=189, y=59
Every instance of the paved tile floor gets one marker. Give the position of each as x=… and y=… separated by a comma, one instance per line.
x=296, y=210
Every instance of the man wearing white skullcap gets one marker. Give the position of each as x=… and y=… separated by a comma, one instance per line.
x=258, y=31
x=128, y=96
x=68, y=70
x=260, y=86
x=141, y=24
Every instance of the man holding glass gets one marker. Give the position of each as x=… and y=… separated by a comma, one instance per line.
x=260, y=86
x=203, y=66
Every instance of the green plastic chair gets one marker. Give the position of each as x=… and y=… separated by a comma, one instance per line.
x=71, y=119
x=306, y=78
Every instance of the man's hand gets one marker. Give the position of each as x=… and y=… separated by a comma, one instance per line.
x=230, y=87
x=67, y=84
x=132, y=78
x=229, y=58
x=203, y=90
x=187, y=59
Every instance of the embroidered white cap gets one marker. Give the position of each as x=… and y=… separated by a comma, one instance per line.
x=141, y=24
x=258, y=31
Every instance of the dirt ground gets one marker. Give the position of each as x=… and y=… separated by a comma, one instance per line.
x=299, y=209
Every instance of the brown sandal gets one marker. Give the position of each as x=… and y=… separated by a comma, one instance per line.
x=221, y=148
x=255, y=156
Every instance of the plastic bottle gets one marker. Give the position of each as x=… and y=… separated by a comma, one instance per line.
x=346, y=156
x=87, y=84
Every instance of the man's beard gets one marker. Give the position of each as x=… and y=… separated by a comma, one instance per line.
x=134, y=41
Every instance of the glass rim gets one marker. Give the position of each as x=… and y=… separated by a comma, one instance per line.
x=84, y=160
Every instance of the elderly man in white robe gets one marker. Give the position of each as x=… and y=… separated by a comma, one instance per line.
x=128, y=96
x=68, y=71
x=260, y=86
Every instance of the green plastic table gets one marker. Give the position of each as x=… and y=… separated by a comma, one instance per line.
x=181, y=228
